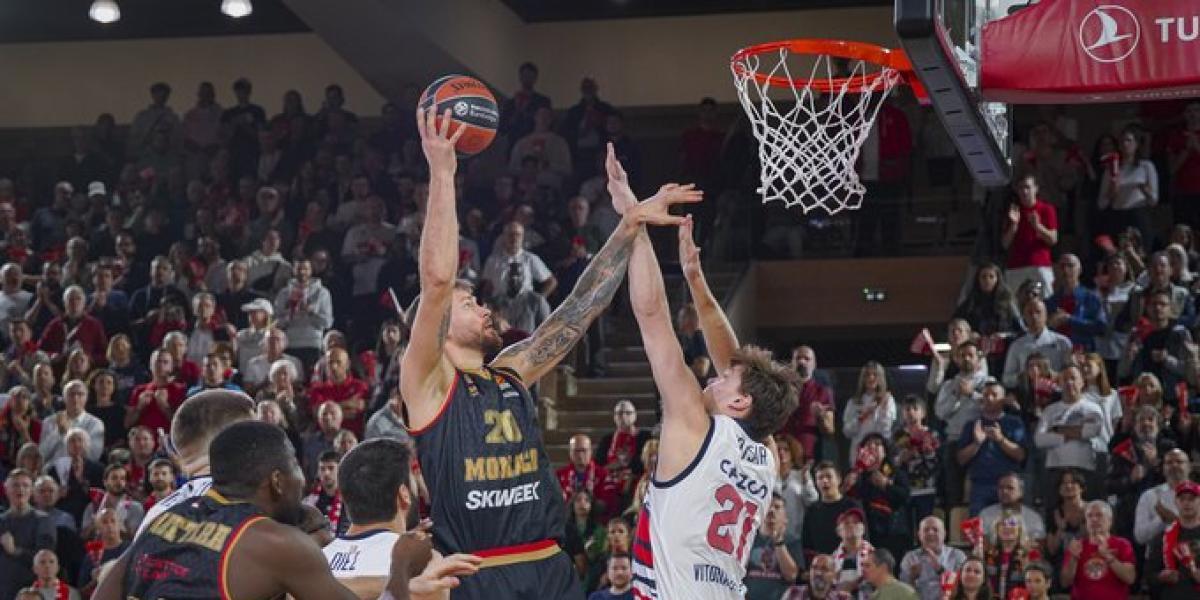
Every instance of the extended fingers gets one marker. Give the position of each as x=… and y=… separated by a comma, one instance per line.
x=421, y=122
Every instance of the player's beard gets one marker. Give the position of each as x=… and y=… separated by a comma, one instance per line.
x=490, y=341
x=413, y=517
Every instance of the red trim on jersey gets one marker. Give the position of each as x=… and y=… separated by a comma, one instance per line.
x=517, y=549
x=234, y=537
x=441, y=411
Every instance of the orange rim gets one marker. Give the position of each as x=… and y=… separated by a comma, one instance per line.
x=885, y=57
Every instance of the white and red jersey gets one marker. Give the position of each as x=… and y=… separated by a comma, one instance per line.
x=695, y=532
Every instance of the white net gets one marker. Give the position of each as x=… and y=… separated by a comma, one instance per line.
x=810, y=136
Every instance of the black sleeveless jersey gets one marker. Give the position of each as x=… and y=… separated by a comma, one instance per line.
x=486, y=467
x=183, y=553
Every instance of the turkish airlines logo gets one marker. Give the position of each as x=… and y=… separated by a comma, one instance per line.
x=1110, y=33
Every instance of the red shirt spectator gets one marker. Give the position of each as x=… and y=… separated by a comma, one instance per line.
x=583, y=474
x=895, y=144
x=151, y=405
x=1027, y=248
x=75, y=327
x=804, y=424
x=1094, y=577
x=1183, y=148
x=348, y=392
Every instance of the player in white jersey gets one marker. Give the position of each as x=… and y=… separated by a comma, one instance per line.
x=378, y=496
x=195, y=423
x=712, y=485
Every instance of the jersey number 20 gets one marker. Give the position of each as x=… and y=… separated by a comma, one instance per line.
x=722, y=528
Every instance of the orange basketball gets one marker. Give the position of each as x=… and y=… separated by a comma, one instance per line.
x=471, y=105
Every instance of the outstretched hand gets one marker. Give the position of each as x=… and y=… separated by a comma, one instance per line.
x=442, y=575
x=618, y=183
x=689, y=253
x=656, y=210
x=437, y=142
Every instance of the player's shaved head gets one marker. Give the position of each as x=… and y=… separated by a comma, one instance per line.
x=201, y=417
x=252, y=460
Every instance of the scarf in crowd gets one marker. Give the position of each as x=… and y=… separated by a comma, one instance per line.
x=622, y=449
x=334, y=512
x=62, y=591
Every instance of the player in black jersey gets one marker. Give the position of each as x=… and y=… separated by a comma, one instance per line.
x=237, y=540
x=475, y=423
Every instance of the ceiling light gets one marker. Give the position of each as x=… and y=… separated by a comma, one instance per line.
x=105, y=11
x=236, y=8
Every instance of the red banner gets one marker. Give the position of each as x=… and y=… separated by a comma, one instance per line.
x=1079, y=51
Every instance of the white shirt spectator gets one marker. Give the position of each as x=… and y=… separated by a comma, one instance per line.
x=1147, y=525
x=1061, y=452
x=304, y=327
x=1055, y=346
x=1110, y=405
x=251, y=342
x=799, y=492
x=1130, y=194
x=258, y=370
x=928, y=584
x=958, y=409
x=534, y=271
x=13, y=305
x=54, y=443
x=864, y=415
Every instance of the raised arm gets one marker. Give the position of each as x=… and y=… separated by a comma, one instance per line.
x=424, y=373
x=722, y=342
x=539, y=353
x=684, y=416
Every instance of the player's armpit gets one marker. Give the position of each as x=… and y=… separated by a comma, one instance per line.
x=425, y=374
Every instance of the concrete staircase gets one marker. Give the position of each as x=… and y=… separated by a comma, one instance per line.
x=589, y=409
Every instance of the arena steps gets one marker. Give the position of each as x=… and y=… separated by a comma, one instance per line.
x=588, y=409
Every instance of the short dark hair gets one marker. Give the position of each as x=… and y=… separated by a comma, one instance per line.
x=329, y=456
x=113, y=467
x=826, y=464
x=160, y=87
x=369, y=477
x=202, y=416
x=915, y=400
x=882, y=557
x=242, y=84
x=160, y=462
x=243, y=456
x=774, y=387
x=1041, y=567
x=618, y=556
x=528, y=66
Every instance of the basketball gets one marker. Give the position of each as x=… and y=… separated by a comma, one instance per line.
x=471, y=105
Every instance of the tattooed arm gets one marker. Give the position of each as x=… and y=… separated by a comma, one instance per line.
x=539, y=353
x=425, y=374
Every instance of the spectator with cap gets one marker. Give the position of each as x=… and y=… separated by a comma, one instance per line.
x=251, y=340
x=852, y=551
x=1171, y=567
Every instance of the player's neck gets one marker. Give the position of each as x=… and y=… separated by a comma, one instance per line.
x=197, y=467
x=464, y=359
x=395, y=526
x=614, y=590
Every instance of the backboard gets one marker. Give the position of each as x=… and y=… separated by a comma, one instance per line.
x=941, y=38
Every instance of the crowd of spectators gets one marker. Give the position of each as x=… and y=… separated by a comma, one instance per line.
x=227, y=250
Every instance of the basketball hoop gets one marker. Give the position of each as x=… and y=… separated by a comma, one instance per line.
x=809, y=150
